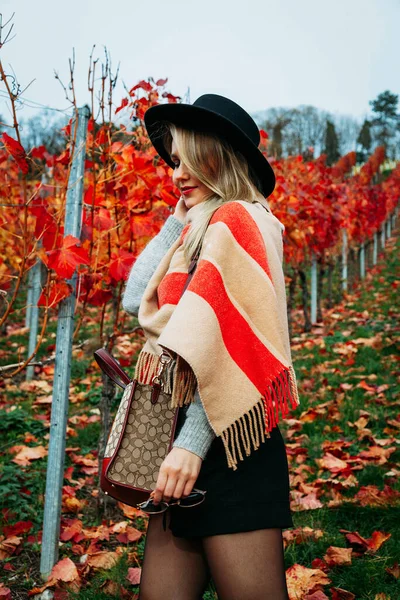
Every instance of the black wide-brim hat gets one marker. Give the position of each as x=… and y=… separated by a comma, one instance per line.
x=219, y=115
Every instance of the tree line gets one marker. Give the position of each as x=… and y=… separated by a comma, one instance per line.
x=310, y=132
x=304, y=130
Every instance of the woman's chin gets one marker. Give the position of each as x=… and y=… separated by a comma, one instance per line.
x=190, y=202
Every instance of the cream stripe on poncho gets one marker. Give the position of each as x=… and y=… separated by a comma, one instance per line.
x=229, y=330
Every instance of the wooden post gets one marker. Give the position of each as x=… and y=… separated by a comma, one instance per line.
x=62, y=371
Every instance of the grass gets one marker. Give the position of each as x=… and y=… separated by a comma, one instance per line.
x=377, y=365
x=341, y=367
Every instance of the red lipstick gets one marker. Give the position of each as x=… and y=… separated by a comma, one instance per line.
x=188, y=190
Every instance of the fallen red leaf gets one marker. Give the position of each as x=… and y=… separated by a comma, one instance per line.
x=130, y=511
x=64, y=570
x=9, y=545
x=134, y=574
x=318, y=595
x=376, y=453
x=5, y=592
x=377, y=539
x=129, y=535
x=73, y=531
x=102, y=559
x=332, y=463
x=319, y=563
x=73, y=505
x=39, y=590
x=338, y=556
x=18, y=528
x=362, y=544
x=301, y=534
x=302, y=580
x=340, y=594
x=308, y=502
x=394, y=570
x=371, y=495
x=111, y=588
x=83, y=460
x=27, y=453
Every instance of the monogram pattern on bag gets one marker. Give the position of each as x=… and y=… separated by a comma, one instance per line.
x=145, y=441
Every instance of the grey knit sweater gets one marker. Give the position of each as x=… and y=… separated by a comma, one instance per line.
x=196, y=434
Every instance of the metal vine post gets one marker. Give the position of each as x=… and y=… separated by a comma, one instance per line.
x=62, y=371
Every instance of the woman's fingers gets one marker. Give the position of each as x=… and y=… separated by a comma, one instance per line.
x=160, y=486
x=171, y=485
x=180, y=486
x=177, y=476
x=188, y=487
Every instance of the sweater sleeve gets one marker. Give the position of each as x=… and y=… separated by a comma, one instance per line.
x=147, y=262
x=196, y=434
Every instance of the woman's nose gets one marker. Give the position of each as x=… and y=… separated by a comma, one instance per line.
x=180, y=173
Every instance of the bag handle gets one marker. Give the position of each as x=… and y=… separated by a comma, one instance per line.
x=112, y=368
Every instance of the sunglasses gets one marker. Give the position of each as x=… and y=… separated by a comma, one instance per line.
x=195, y=497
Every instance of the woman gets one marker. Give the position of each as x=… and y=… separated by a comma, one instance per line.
x=228, y=334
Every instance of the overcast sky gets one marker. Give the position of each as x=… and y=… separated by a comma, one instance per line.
x=336, y=55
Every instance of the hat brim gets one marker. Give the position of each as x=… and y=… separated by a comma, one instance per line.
x=201, y=119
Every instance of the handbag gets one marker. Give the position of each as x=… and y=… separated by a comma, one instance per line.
x=143, y=429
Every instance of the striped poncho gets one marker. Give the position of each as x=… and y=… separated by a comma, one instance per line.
x=229, y=330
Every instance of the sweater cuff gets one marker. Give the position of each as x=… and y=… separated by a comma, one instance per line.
x=170, y=231
x=195, y=443
x=196, y=437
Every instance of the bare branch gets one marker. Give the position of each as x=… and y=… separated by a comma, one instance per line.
x=26, y=87
x=7, y=38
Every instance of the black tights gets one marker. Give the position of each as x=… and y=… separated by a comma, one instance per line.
x=242, y=565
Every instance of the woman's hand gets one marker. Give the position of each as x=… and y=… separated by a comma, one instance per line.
x=180, y=210
x=177, y=476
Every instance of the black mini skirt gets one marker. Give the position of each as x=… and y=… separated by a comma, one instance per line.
x=255, y=496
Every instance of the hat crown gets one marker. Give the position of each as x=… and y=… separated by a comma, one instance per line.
x=220, y=116
x=233, y=112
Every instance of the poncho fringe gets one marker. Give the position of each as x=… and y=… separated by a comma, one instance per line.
x=261, y=418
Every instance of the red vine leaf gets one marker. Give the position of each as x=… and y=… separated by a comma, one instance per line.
x=65, y=260
x=18, y=153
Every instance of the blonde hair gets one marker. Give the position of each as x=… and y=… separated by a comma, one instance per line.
x=225, y=171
